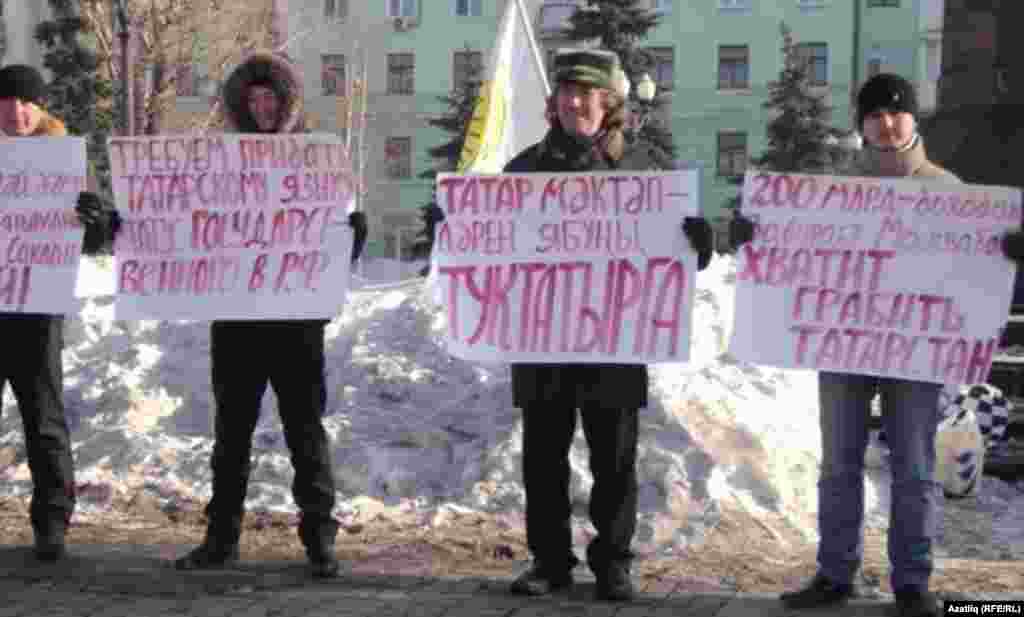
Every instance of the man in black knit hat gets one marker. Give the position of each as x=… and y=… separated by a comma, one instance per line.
x=887, y=112
x=35, y=372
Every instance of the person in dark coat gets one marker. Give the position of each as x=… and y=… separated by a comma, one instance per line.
x=35, y=371
x=264, y=95
x=586, y=112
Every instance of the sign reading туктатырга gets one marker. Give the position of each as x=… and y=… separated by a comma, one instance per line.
x=588, y=267
x=876, y=276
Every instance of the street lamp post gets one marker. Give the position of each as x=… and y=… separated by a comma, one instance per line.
x=126, y=100
x=645, y=90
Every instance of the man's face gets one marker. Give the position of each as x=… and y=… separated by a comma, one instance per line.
x=580, y=108
x=888, y=129
x=18, y=117
x=264, y=107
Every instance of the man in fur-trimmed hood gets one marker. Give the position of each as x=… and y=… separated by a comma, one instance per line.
x=264, y=95
x=266, y=70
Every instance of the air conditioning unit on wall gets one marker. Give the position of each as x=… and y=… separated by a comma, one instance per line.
x=403, y=24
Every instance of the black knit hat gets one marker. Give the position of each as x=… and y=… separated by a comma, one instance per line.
x=22, y=82
x=588, y=66
x=885, y=91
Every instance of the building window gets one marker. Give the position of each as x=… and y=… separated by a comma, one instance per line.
x=398, y=157
x=816, y=57
x=663, y=67
x=332, y=74
x=401, y=70
x=733, y=67
x=732, y=154
x=469, y=8
x=466, y=67
x=733, y=5
x=881, y=3
x=401, y=8
x=336, y=9
x=662, y=6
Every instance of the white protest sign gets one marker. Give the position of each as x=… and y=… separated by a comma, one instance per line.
x=233, y=226
x=874, y=276
x=40, y=235
x=567, y=267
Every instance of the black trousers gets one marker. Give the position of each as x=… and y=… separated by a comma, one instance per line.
x=33, y=366
x=611, y=435
x=290, y=356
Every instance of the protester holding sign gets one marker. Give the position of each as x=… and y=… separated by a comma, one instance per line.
x=35, y=371
x=264, y=95
x=887, y=117
x=586, y=112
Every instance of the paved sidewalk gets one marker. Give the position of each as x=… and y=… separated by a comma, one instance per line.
x=137, y=581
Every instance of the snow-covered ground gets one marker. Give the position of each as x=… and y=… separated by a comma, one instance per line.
x=419, y=431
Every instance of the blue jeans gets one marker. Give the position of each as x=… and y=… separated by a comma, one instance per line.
x=911, y=418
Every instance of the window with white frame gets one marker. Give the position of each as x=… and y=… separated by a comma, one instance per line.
x=332, y=74
x=401, y=73
x=661, y=6
x=733, y=5
x=402, y=8
x=398, y=158
x=816, y=57
x=336, y=9
x=469, y=8
x=732, y=154
x=733, y=67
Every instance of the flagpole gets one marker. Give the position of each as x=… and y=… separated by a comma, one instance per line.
x=528, y=28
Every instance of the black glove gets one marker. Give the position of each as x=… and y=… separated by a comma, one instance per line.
x=741, y=231
x=357, y=221
x=698, y=232
x=101, y=223
x=1012, y=244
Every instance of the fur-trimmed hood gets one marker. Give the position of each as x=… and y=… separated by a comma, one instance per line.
x=50, y=126
x=261, y=66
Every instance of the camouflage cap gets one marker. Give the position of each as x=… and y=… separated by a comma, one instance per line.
x=596, y=67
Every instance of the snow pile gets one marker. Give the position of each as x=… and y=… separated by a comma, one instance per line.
x=417, y=431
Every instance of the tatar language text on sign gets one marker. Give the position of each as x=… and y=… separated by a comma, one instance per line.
x=876, y=276
x=567, y=267
x=236, y=226
x=40, y=235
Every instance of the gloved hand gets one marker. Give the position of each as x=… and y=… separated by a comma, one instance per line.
x=1012, y=244
x=741, y=231
x=357, y=221
x=101, y=222
x=698, y=232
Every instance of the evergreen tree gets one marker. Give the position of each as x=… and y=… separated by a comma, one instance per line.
x=76, y=94
x=619, y=26
x=798, y=131
x=459, y=105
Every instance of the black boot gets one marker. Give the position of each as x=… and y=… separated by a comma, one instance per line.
x=916, y=603
x=819, y=593
x=614, y=583
x=218, y=550
x=540, y=580
x=49, y=541
x=318, y=538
